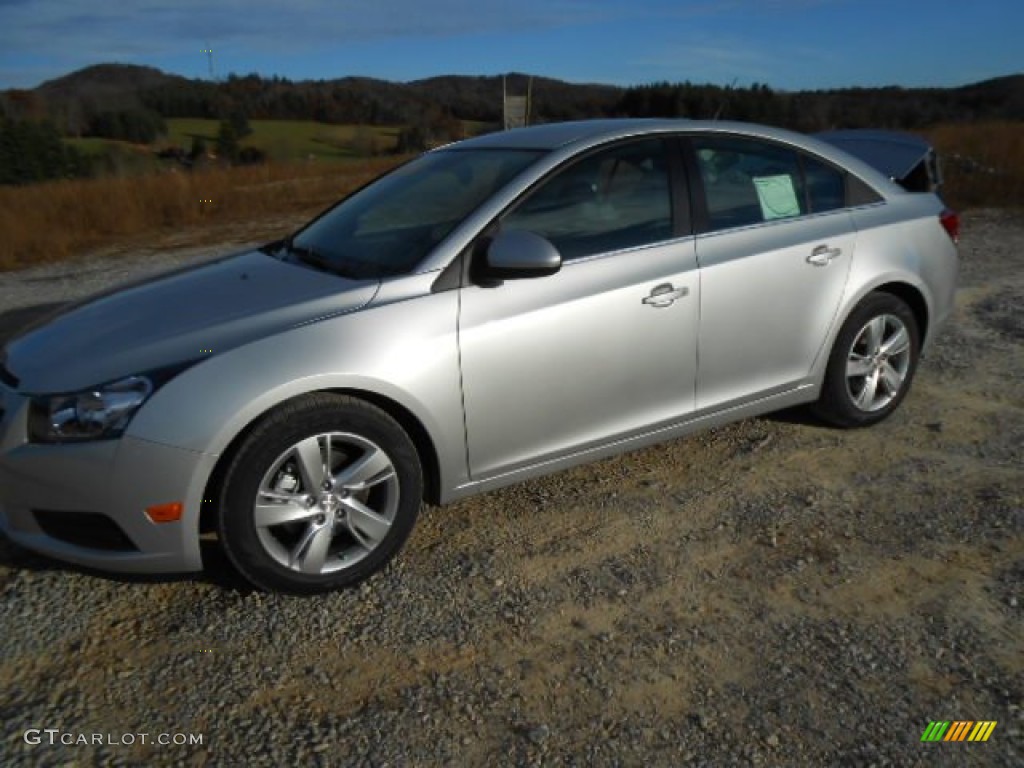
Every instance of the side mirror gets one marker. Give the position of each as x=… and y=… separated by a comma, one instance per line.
x=518, y=253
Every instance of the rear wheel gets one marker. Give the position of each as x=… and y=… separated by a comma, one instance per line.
x=320, y=495
x=872, y=363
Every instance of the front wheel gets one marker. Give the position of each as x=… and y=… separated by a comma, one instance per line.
x=322, y=493
x=872, y=363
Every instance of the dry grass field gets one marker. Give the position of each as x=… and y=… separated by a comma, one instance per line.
x=983, y=163
x=54, y=220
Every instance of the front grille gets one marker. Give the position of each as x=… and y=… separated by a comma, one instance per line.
x=84, y=529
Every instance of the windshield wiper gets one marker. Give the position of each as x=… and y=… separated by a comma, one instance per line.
x=272, y=248
x=311, y=257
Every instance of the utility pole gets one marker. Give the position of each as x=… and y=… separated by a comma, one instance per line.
x=529, y=100
x=516, y=109
x=209, y=60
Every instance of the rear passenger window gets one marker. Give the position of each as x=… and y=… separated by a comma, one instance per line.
x=749, y=182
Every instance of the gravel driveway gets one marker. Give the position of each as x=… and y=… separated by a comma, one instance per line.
x=771, y=593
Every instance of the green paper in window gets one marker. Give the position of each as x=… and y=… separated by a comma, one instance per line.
x=777, y=196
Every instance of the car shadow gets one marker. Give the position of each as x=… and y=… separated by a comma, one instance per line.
x=14, y=320
x=798, y=414
x=217, y=570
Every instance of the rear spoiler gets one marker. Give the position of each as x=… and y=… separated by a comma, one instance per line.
x=908, y=160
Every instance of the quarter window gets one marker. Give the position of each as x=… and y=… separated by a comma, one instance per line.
x=611, y=200
x=826, y=187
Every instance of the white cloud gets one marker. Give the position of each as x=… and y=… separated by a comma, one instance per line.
x=165, y=24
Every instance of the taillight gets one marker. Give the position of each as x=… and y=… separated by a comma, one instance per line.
x=951, y=223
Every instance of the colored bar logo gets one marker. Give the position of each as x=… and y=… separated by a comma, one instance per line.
x=959, y=730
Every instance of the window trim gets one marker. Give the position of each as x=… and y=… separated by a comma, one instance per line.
x=679, y=188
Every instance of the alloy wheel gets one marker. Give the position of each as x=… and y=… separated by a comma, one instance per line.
x=326, y=503
x=878, y=363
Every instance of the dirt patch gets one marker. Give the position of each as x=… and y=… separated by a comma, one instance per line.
x=771, y=593
x=1004, y=312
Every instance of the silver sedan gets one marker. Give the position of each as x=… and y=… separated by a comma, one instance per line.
x=493, y=310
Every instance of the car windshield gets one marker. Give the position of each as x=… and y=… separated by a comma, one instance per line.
x=388, y=227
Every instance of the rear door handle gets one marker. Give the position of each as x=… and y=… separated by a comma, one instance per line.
x=823, y=255
x=665, y=295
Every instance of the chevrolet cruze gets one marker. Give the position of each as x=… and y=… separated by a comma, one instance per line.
x=493, y=310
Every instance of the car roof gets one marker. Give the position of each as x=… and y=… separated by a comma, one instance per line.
x=555, y=135
x=552, y=136
x=578, y=135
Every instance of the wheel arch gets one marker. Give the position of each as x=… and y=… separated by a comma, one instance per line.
x=424, y=444
x=914, y=299
x=837, y=404
x=895, y=285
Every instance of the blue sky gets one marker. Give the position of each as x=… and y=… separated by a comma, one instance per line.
x=789, y=44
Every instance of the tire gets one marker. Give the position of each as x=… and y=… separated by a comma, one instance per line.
x=871, y=364
x=289, y=526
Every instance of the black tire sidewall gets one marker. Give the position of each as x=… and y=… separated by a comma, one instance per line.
x=283, y=428
x=835, y=404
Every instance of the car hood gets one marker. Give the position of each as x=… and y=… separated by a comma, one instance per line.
x=175, y=319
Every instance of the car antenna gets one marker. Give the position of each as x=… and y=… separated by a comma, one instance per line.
x=725, y=99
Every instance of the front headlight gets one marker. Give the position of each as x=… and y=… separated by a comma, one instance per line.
x=98, y=414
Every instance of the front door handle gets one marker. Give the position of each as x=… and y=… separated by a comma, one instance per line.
x=823, y=255
x=665, y=295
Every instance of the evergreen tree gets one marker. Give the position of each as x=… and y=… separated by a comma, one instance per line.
x=227, y=142
x=141, y=126
x=240, y=123
x=32, y=151
x=198, y=148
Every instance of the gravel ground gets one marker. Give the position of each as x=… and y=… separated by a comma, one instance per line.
x=772, y=593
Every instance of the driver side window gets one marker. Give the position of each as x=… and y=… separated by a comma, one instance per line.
x=611, y=200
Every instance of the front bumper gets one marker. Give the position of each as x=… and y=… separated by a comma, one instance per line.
x=111, y=482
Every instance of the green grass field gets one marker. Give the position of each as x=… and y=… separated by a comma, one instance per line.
x=282, y=140
x=288, y=140
x=91, y=146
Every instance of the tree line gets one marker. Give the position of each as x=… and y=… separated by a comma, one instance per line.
x=372, y=102
x=121, y=101
x=85, y=104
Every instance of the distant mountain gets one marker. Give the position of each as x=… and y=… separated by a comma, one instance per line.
x=1002, y=95
x=118, y=87
x=1007, y=85
x=105, y=86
